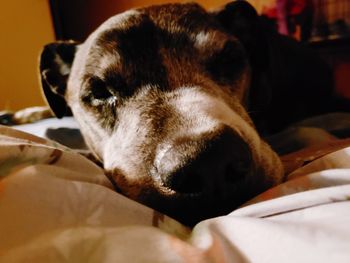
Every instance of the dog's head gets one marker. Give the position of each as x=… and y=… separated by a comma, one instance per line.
x=160, y=95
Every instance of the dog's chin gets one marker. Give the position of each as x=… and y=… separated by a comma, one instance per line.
x=191, y=208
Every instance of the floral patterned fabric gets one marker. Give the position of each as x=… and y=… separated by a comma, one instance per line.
x=57, y=206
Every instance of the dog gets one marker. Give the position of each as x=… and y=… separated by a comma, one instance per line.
x=173, y=100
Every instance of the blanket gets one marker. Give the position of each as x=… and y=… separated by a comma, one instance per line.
x=57, y=206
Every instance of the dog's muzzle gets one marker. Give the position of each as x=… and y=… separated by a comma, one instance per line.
x=204, y=160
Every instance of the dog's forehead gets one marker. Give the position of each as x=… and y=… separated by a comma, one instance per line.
x=179, y=25
x=189, y=17
x=146, y=38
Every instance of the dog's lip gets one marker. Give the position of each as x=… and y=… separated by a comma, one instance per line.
x=167, y=191
x=190, y=209
x=170, y=192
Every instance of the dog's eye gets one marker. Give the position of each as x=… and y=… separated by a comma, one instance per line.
x=225, y=65
x=117, y=84
x=99, y=89
x=99, y=93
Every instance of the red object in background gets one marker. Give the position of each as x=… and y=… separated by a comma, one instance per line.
x=289, y=7
x=296, y=7
x=337, y=53
x=342, y=79
x=293, y=17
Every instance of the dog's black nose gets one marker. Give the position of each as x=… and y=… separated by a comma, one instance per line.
x=209, y=166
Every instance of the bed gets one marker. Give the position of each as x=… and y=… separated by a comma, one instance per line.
x=58, y=206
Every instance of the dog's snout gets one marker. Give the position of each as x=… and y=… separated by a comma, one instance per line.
x=207, y=167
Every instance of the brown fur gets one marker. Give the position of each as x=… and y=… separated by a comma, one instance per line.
x=160, y=95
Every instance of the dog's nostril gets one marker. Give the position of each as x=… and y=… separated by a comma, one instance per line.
x=184, y=182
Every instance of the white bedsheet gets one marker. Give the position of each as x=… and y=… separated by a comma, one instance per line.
x=57, y=206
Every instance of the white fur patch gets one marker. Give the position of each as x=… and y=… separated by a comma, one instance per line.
x=78, y=67
x=94, y=135
x=118, y=21
x=63, y=68
x=107, y=60
x=210, y=113
x=122, y=148
x=202, y=39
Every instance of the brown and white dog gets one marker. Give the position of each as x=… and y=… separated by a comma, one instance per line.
x=162, y=96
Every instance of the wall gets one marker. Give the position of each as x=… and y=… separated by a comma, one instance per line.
x=25, y=26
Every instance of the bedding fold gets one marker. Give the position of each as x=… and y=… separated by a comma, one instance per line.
x=58, y=206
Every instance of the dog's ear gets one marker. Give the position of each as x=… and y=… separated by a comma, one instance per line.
x=241, y=20
x=55, y=63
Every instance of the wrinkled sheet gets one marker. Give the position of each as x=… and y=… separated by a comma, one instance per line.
x=57, y=206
